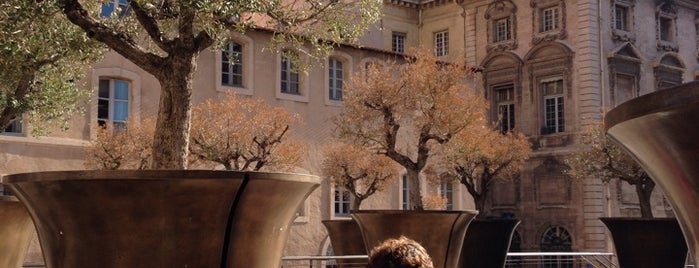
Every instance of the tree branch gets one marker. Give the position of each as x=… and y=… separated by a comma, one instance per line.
x=150, y=25
x=119, y=42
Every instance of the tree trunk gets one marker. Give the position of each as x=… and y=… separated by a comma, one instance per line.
x=414, y=186
x=171, y=139
x=356, y=203
x=644, y=189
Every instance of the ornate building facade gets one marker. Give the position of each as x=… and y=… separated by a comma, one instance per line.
x=548, y=67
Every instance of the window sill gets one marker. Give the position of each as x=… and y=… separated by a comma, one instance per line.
x=292, y=97
x=237, y=90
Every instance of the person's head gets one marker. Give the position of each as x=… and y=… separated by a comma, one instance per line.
x=399, y=253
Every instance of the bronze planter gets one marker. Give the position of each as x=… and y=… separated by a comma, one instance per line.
x=16, y=229
x=660, y=130
x=647, y=242
x=162, y=218
x=441, y=233
x=487, y=242
x=346, y=239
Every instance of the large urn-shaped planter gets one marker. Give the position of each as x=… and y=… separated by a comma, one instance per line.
x=16, y=229
x=487, y=242
x=346, y=239
x=158, y=218
x=647, y=242
x=661, y=130
x=441, y=233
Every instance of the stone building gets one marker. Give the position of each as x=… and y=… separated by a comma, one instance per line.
x=551, y=66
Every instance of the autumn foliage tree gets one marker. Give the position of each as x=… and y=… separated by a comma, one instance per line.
x=127, y=147
x=42, y=56
x=605, y=160
x=405, y=111
x=481, y=155
x=358, y=170
x=166, y=37
x=245, y=134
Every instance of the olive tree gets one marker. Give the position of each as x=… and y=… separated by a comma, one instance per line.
x=481, y=156
x=165, y=38
x=42, y=56
x=358, y=170
x=605, y=160
x=406, y=111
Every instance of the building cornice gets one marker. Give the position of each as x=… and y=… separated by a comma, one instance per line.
x=421, y=4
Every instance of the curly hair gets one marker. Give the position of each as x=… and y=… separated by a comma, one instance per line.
x=399, y=253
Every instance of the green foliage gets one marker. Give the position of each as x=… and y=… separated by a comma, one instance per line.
x=42, y=56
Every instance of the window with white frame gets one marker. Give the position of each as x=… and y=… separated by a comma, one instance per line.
x=398, y=42
x=446, y=190
x=342, y=203
x=289, y=76
x=15, y=127
x=335, y=78
x=504, y=95
x=121, y=7
x=441, y=43
x=621, y=18
x=502, y=29
x=553, y=106
x=405, y=190
x=113, y=102
x=232, y=65
x=549, y=19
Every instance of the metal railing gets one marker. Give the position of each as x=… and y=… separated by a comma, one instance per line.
x=514, y=260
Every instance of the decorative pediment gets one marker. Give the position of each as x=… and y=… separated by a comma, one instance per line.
x=500, y=8
x=627, y=51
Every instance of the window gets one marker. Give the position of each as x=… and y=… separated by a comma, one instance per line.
x=506, y=107
x=398, y=42
x=14, y=127
x=549, y=19
x=113, y=102
x=553, y=106
x=557, y=239
x=289, y=76
x=621, y=18
x=5, y=191
x=232, y=65
x=441, y=43
x=342, y=203
x=113, y=6
x=446, y=190
x=502, y=28
x=666, y=28
x=335, y=79
x=405, y=190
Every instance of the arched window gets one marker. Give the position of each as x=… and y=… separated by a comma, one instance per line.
x=557, y=239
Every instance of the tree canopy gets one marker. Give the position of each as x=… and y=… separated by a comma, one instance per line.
x=245, y=134
x=165, y=37
x=358, y=170
x=406, y=110
x=482, y=155
x=605, y=160
x=42, y=57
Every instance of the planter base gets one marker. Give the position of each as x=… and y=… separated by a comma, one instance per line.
x=647, y=243
x=486, y=243
x=176, y=218
x=16, y=229
x=441, y=233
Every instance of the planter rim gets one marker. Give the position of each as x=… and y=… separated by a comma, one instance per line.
x=154, y=175
x=8, y=198
x=636, y=219
x=664, y=100
x=400, y=211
